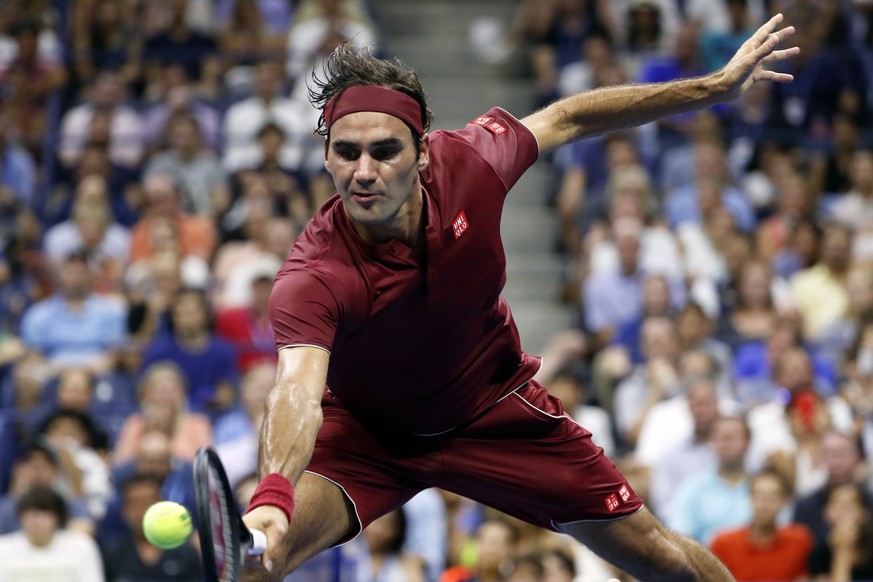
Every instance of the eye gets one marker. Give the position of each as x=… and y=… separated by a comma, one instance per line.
x=348, y=153
x=383, y=153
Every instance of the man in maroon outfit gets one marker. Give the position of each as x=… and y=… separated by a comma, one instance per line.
x=400, y=366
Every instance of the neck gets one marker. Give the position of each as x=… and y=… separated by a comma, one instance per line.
x=762, y=533
x=732, y=472
x=193, y=339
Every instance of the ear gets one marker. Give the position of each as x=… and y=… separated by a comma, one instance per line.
x=424, y=153
x=326, y=162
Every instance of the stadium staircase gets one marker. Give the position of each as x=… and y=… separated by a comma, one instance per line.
x=432, y=36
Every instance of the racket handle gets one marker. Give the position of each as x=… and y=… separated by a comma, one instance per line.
x=259, y=542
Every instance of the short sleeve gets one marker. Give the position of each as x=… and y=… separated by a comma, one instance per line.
x=504, y=142
x=303, y=310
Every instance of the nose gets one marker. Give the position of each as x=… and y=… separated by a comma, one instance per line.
x=365, y=170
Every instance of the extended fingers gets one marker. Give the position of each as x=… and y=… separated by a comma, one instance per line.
x=761, y=35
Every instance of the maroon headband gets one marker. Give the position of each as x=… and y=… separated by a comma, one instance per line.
x=378, y=99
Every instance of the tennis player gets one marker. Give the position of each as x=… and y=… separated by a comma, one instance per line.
x=400, y=366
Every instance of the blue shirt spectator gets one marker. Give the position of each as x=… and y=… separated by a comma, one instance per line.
x=75, y=327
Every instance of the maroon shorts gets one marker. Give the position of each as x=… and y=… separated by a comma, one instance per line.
x=523, y=457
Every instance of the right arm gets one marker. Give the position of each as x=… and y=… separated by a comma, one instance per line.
x=292, y=420
x=293, y=412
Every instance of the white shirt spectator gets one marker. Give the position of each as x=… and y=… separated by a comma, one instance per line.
x=244, y=120
x=65, y=237
x=70, y=557
x=126, y=135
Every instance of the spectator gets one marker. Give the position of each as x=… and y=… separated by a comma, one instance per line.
x=710, y=170
x=844, y=464
x=207, y=362
x=382, y=558
x=496, y=540
x=794, y=202
x=847, y=554
x=28, y=81
x=236, y=433
x=105, y=97
x=93, y=231
x=105, y=38
x=163, y=401
x=244, y=120
x=855, y=208
x=44, y=549
x=82, y=448
x=177, y=95
x=17, y=167
x=178, y=42
x=764, y=550
x=716, y=499
x=196, y=234
x=248, y=328
x=718, y=46
x=39, y=465
x=690, y=453
x=131, y=558
x=819, y=292
x=652, y=381
x=75, y=327
x=753, y=316
x=193, y=168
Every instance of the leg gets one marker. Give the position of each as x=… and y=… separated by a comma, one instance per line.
x=644, y=548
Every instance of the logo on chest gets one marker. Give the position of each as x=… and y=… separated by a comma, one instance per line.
x=460, y=224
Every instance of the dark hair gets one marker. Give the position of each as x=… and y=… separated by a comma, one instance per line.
x=348, y=66
x=43, y=498
x=85, y=422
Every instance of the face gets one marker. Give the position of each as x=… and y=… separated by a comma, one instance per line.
x=189, y=313
x=74, y=389
x=495, y=545
x=137, y=499
x=755, y=285
x=844, y=507
x=75, y=278
x=374, y=166
x=840, y=456
x=165, y=390
x=39, y=526
x=767, y=499
x=703, y=404
x=567, y=391
x=729, y=440
x=381, y=534
x=256, y=385
x=39, y=469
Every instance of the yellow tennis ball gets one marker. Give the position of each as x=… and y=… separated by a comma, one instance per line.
x=167, y=525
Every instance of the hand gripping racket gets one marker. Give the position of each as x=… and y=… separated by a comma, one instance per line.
x=225, y=541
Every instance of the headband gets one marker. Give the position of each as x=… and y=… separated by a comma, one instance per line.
x=378, y=99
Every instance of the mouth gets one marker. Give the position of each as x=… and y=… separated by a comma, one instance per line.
x=365, y=199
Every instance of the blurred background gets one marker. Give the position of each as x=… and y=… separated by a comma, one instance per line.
x=701, y=288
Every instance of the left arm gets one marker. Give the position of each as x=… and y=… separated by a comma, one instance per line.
x=613, y=108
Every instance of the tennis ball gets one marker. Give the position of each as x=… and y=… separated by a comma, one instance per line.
x=166, y=525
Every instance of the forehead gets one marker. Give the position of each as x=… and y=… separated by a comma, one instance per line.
x=369, y=126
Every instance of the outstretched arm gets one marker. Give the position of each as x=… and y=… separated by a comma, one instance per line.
x=612, y=108
x=291, y=423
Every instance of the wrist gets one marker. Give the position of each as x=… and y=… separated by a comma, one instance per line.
x=276, y=490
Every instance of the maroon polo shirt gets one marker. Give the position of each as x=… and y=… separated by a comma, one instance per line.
x=417, y=344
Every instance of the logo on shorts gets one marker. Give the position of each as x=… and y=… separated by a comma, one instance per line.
x=489, y=124
x=624, y=493
x=611, y=502
x=460, y=224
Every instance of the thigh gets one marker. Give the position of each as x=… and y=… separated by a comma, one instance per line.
x=369, y=471
x=525, y=457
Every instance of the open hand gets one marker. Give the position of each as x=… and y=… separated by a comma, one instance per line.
x=747, y=65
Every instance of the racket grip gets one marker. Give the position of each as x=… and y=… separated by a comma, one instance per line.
x=259, y=542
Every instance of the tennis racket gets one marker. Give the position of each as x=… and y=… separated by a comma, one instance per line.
x=225, y=541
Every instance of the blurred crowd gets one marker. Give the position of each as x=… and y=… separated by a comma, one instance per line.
x=157, y=161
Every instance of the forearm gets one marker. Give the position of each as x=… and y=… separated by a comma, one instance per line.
x=292, y=420
x=623, y=106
